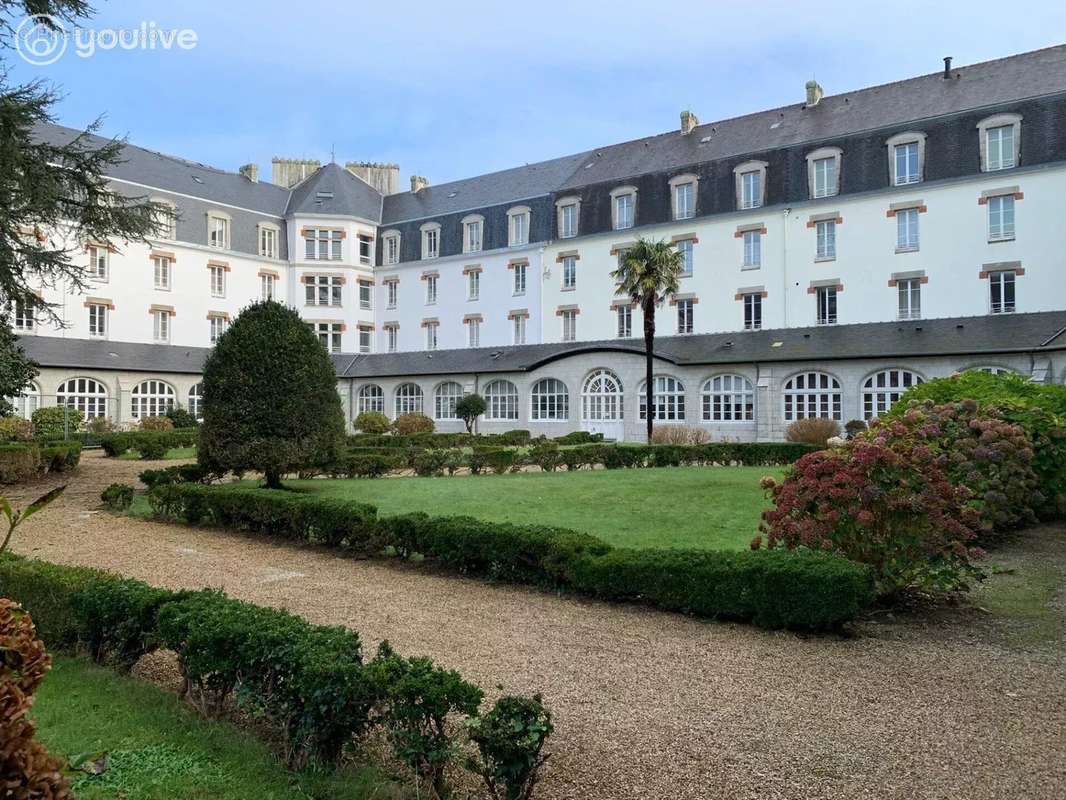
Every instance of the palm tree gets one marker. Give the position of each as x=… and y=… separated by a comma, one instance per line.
x=648, y=273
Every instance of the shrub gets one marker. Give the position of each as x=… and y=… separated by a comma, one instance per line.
x=579, y=437
x=679, y=434
x=891, y=508
x=48, y=422
x=15, y=429
x=372, y=422
x=270, y=398
x=116, y=618
x=816, y=431
x=501, y=460
x=117, y=496
x=407, y=424
x=515, y=438
x=371, y=465
x=61, y=456
x=545, y=454
x=115, y=444
x=27, y=770
x=151, y=448
x=468, y=408
x=181, y=418
x=428, y=463
x=510, y=739
x=181, y=473
x=156, y=424
x=854, y=427
x=19, y=462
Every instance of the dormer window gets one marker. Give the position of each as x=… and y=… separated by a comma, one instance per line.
x=751, y=184
x=623, y=207
x=166, y=219
x=518, y=226
x=430, y=240
x=390, y=253
x=568, y=208
x=218, y=230
x=269, y=236
x=823, y=172
x=1000, y=141
x=683, y=196
x=906, y=158
x=473, y=227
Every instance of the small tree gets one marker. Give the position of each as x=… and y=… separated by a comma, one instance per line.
x=270, y=397
x=469, y=409
x=648, y=274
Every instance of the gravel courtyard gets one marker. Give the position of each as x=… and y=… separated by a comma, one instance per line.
x=649, y=704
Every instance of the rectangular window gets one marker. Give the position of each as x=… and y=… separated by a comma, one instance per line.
x=519, y=229
x=569, y=272
x=825, y=177
x=161, y=326
x=910, y=298
x=684, y=316
x=624, y=328
x=685, y=248
x=430, y=243
x=329, y=334
x=827, y=305
x=167, y=223
x=431, y=289
x=907, y=163
x=568, y=221
x=218, y=232
x=266, y=287
x=827, y=239
x=22, y=311
x=366, y=295
x=161, y=266
x=322, y=290
x=1001, y=292
x=366, y=339
x=366, y=246
x=218, y=327
x=268, y=242
x=519, y=329
x=392, y=289
x=1001, y=218
x=431, y=336
x=753, y=311
x=684, y=201
x=98, y=257
x=393, y=335
x=751, y=190
x=472, y=237
x=752, y=248
x=473, y=333
x=392, y=249
x=218, y=281
x=906, y=230
x=97, y=320
x=322, y=245
x=473, y=285
x=1000, y=148
x=569, y=325
x=623, y=212
x=519, y=279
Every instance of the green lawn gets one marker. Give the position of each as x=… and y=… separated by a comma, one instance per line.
x=161, y=750
x=177, y=452
x=704, y=507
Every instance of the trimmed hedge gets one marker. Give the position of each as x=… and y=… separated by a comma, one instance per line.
x=24, y=461
x=150, y=444
x=804, y=590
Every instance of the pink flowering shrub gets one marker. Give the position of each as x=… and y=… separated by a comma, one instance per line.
x=977, y=449
x=890, y=507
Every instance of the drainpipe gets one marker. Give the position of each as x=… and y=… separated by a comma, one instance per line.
x=755, y=399
x=784, y=267
x=476, y=392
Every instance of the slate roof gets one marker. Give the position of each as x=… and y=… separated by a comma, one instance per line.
x=332, y=189
x=958, y=336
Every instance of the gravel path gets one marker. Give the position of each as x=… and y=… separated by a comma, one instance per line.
x=648, y=704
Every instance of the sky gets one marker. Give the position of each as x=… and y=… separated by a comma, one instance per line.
x=454, y=88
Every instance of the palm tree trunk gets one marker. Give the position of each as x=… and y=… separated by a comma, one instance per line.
x=649, y=362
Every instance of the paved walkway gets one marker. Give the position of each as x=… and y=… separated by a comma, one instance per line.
x=647, y=704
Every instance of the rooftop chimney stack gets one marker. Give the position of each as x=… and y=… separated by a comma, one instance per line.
x=947, y=67
x=383, y=177
x=815, y=93
x=251, y=172
x=688, y=122
x=288, y=172
x=418, y=183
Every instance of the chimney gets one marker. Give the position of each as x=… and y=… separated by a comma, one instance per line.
x=418, y=183
x=947, y=67
x=814, y=93
x=288, y=172
x=383, y=177
x=688, y=122
x=251, y=172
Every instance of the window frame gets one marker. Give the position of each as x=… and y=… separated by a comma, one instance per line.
x=824, y=155
x=751, y=245
x=879, y=397
x=999, y=203
x=101, y=325
x=602, y=405
x=827, y=306
x=686, y=315
x=619, y=194
x=999, y=122
x=908, y=298
x=408, y=398
x=214, y=219
x=317, y=284
x=473, y=223
x=99, y=269
x=390, y=248
x=828, y=398
x=671, y=401
x=161, y=325
x=519, y=222
x=568, y=231
x=79, y=396
x=549, y=406
x=430, y=240
x=906, y=139
x=1003, y=282
x=370, y=397
x=752, y=302
x=444, y=403
x=623, y=321
x=908, y=230
x=677, y=183
x=727, y=399
x=740, y=172
x=825, y=239
x=161, y=273
x=568, y=318
x=501, y=406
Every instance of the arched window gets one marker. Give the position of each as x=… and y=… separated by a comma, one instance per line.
x=884, y=388
x=371, y=397
x=445, y=396
x=668, y=400
x=84, y=394
x=812, y=394
x=26, y=402
x=408, y=399
x=152, y=399
x=502, y=400
x=196, y=402
x=601, y=397
x=550, y=400
x=728, y=398
x=994, y=370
